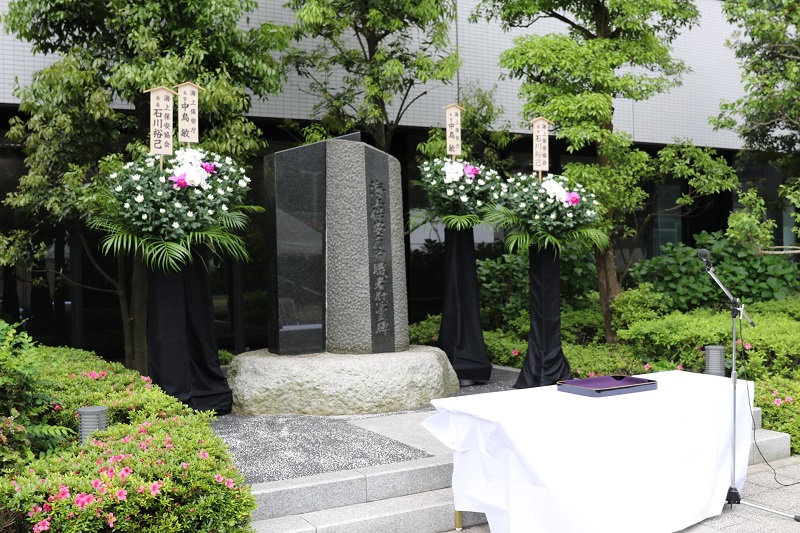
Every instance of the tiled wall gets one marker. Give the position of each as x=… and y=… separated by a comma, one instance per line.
x=683, y=112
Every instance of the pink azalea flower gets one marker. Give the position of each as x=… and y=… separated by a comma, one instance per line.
x=57, y=407
x=155, y=488
x=778, y=402
x=592, y=374
x=83, y=499
x=515, y=352
x=121, y=495
x=647, y=367
x=63, y=492
x=141, y=489
x=789, y=399
x=36, y=510
x=229, y=483
x=471, y=171
x=680, y=367
x=573, y=198
x=44, y=525
x=110, y=519
x=184, y=465
x=219, y=478
x=775, y=392
x=203, y=454
x=747, y=346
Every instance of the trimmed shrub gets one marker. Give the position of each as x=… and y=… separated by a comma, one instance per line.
x=158, y=467
x=639, y=304
x=779, y=400
x=505, y=349
x=425, y=332
x=601, y=360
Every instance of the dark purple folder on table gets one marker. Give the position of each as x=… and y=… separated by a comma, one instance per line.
x=606, y=385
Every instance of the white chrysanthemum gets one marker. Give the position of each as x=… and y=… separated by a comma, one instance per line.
x=210, y=211
x=553, y=215
x=178, y=205
x=522, y=205
x=138, y=187
x=224, y=207
x=210, y=196
x=118, y=188
x=113, y=176
x=464, y=198
x=176, y=225
x=242, y=184
x=569, y=215
x=450, y=192
x=162, y=179
x=160, y=193
x=136, y=177
x=481, y=183
x=126, y=205
x=190, y=214
x=478, y=203
x=139, y=198
x=453, y=170
x=144, y=216
x=162, y=210
x=495, y=196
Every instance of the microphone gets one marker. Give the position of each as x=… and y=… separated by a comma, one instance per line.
x=703, y=254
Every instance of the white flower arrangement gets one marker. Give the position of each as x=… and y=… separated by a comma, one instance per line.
x=457, y=190
x=196, y=199
x=546, y=212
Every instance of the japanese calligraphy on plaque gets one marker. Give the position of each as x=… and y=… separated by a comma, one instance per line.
x=161, y=104
x=541, y=144
x=453, y=129
x=188, y=117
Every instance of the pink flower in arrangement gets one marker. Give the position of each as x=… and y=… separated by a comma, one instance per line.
x=471, y=171
x=179, y=182
x=209, y=167
x=573, y=198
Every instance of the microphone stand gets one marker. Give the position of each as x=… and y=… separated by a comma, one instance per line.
x=737, y=311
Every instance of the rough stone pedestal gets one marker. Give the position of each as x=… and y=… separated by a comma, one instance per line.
x=339, y=384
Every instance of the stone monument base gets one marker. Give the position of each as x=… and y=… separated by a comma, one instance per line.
x=339, y=384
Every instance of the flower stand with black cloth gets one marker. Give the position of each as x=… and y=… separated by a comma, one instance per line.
x=183, y=356
x=456, y=192
x=170, y=213
x=541, y=216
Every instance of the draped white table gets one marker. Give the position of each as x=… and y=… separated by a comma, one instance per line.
x=544, y=460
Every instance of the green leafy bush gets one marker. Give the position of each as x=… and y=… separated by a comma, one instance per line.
x=504, y=349
x=779, y=400
x=28, y=422
x=679, y=274
x=582, y=323
x=678, y=338
x=602, y=360
x=425, y=332
x=639, y=304
x=158, y=467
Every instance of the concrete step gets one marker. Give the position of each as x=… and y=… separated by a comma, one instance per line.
x=769, y=446
x=425, y=512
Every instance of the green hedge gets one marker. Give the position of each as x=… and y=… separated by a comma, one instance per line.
x=158, y=467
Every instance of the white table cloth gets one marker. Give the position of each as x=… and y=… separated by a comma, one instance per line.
x=544, y=460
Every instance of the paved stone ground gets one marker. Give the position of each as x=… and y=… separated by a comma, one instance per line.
x=274, y=447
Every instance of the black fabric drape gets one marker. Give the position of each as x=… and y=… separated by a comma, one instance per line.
x=544, y=363
x=460, y=333
x=182, y=350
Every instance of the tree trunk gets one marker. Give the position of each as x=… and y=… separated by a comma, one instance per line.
x=608, y=286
